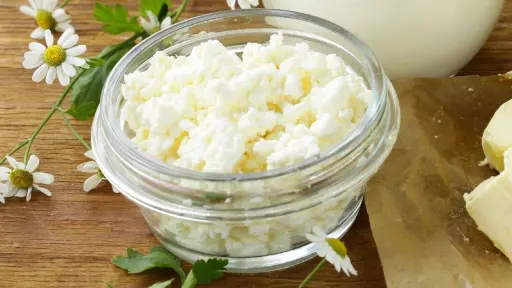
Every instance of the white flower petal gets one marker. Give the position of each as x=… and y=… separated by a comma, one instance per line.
x=10, y=191
x=330, y=257
x=44, y=190
x=40, y=73
x=4, y=169
x=29, y=194
x=70, y=42
x=4, y=177
x=75, y=61
x=231, y=4
x=32, y=164
x=63, y=26
x=48, y=37
x=52, y=74
x=244, y=4
x=153, y=20
x=147, y=27
x=115, y=190
x=319, y=232
x=43, y=178
x=337, y=265
x=89, y=154
x=68, y=69
x=32, y=57
x=92, y=182
x=21, y=193
x=50, y=4
x=37, y=47
x=29, y=64
x=166, y=23
x=27, y=10
x=347, y=266
x=60, y=15
x=76, y=51
x=2, y=200
x=65, y=36
x=63, y=78
x=88, y=167
x=14, y=163
x=38, y=33
x=33, y=5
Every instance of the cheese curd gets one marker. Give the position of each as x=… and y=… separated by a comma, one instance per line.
x=213, y=111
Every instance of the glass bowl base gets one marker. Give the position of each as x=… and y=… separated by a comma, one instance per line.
x=267, y=263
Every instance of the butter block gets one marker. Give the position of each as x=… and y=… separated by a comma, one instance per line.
x=497, y=136
x=490, y=206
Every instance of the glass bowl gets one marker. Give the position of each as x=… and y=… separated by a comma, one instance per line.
x=255, y=220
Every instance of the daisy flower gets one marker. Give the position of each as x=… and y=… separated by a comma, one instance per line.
x=333, y=250
x=55, y=60
x=92, y=167
x=154, y=25
x=22, y=180
x=244, y=4
x=47, y=17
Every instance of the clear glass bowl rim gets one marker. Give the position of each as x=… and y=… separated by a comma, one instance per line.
x=128, y=151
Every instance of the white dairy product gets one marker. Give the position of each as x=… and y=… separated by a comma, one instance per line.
x=497, y=137
x=212, y=111
x=490, y=205
x=412, y=38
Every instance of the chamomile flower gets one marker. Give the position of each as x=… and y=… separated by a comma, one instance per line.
x=22, y=180
x=244, y=4
x=154, y=25
x=92, y=167
x=47, y=16
x=55, y=60
x=2, y=200
x=333, y=250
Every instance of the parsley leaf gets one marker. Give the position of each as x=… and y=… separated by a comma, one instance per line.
x=86, y=93
x=206, y=272
x=154, y=6
x=158, y=257
x=115, y=19
x=162, y=284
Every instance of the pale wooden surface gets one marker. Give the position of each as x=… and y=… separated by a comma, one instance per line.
x=68, y=240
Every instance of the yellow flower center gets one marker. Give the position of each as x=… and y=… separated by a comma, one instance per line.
x=338, y=247
x=21, y=178
x=45, y=19
x=54, y=55
x=101, y=174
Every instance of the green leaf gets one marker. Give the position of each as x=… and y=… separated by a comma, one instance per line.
x=162, y=284
x=207, y=272
x=154, y=6
x=95, y=62
x=163, y=13
x=109, y=284
x=158, y=257
x=86, y=93
x=82, y=112
x=115, y=19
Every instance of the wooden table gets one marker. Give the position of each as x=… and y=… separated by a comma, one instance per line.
x=68, y=240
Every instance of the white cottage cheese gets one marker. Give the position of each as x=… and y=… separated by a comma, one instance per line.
x=213, y=111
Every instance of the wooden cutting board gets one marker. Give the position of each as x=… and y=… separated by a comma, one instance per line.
x=423, y=233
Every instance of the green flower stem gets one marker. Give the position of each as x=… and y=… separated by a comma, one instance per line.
x=179, y=11
x=65, y=3
x=190, y=281
x=122, y=45
x=21, y=145
x=77, y=136
x=310, y=276
x=50, y=114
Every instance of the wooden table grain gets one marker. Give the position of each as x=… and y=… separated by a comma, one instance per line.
x=68, y=240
